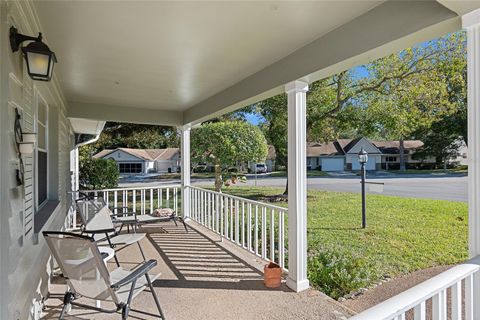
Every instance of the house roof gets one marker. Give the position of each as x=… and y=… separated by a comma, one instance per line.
x=316, y=149
x=145, y=154
x=343, y=146
x=393, y=147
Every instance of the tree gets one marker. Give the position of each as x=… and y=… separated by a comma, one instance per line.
x=96, y=173
x=226, y=143
x=411, y=90
x=139, y=136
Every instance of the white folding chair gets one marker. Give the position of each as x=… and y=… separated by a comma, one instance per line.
x=87, y=276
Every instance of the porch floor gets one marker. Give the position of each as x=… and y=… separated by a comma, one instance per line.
x=205, y=278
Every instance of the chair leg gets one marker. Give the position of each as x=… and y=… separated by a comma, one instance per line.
x=141, y=251
x=155, y=296
x=184, y=224
x=126, y=307
x=66, y=304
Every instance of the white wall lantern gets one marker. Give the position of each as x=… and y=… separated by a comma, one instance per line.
x=40, y=59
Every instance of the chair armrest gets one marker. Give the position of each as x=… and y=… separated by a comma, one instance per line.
x=99, y=231
x=137, y=273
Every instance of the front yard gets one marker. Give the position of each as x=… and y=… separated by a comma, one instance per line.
x=403, y=235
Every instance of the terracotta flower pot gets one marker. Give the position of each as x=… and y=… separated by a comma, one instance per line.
x=272, y=275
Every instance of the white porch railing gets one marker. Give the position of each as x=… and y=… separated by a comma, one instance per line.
x=414, y=299
x=141, y=200
x=257, y=227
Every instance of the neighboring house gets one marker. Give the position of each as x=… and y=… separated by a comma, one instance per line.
x=342, y=154
x=270, y=161
x=143, y=161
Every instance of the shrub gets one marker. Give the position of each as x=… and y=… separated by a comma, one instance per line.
x=338, y=273
x=99, y=173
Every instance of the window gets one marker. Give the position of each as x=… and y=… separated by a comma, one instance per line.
x=41, y=155
x=133, y=167
x=391, y=159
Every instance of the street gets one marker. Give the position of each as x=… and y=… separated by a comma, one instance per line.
x=453, y=188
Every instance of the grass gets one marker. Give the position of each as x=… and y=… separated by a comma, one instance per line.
x=403, y=234
x=459, y=169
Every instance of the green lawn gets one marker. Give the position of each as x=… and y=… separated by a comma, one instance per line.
x=459, y=169
x=403, y=234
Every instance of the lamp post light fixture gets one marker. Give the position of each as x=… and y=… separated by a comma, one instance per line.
x=363, y=159
x=40, y=59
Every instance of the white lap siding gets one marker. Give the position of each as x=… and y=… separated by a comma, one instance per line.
x=24, y=257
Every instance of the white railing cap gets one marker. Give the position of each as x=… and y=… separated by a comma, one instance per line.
x=410, y=298
x=263, y=204
x=163, y=186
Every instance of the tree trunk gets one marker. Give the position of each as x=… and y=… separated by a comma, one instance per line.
x=445, y=159
x=218, y=178
x=285, y=193
x=402, y=155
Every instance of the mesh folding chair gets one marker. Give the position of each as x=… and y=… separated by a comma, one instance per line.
x=87, y=275
x=99, y=223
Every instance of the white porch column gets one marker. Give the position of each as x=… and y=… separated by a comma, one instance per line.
x=471, y=22
x=297, y=186
x=185, y=169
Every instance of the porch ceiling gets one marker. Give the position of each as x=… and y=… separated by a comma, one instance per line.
x=174, y=63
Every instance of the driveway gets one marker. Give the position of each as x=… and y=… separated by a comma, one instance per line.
x=453, y=188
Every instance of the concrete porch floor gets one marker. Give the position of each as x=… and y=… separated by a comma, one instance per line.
x=205, y=278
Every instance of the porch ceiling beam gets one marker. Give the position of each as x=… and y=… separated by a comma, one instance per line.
x=387, y=28
x=95, y=111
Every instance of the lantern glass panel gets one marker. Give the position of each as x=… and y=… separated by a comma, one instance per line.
x=38, y=63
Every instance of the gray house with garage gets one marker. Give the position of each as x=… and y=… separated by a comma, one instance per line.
x=342, y=155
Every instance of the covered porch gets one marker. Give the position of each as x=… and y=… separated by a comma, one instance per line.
x=183, y=79
x=204, y=277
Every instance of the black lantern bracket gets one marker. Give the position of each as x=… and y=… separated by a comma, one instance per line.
x=16, y=38
x=38, y=56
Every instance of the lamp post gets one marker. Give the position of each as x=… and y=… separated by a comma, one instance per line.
x=363, y=159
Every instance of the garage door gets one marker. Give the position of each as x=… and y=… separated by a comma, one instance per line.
x=370, y=165
x=334, y=164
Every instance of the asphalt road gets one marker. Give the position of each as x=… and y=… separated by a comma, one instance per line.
x=453, y=188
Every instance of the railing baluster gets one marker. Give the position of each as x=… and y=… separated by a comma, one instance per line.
x=456, y=301
x=231, y=219
x=134, y=200
x=151, y=201
x=469, y=298
x=221, y=213
x=227, y=214
x=175, y=199
x=168, y=197
x=272, y=235
x=419, y=312
x=237, y=222
x=249, y=227
x=115, y=204
x=243, y=224
x=281, y=248
x=264, y=232
x=439, y=306
x=256, y=229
